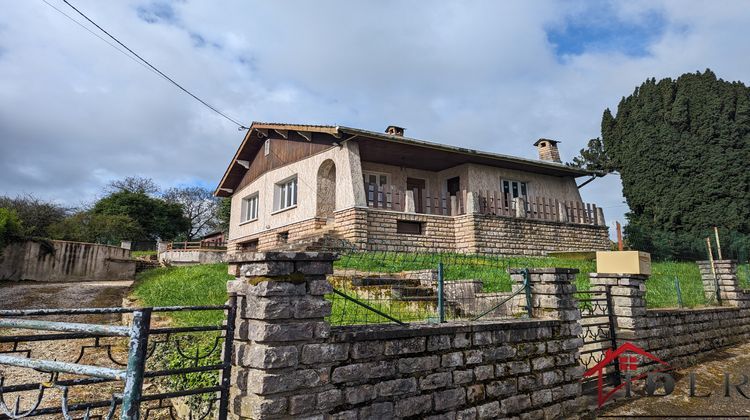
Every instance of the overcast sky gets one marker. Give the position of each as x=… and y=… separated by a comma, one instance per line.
x=75, y=113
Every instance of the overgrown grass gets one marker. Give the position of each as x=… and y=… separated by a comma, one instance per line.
x=185, y=286
x=743, y=273
x=493, y=271
x=139, y=254
x=661, y=291
x=206, y=284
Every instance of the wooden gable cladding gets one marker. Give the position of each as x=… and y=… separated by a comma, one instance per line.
x=283, y=151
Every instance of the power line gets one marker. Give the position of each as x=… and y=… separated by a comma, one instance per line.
x=151, y=66
x=97, y=35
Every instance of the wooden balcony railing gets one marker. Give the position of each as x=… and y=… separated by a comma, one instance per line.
x=539, y=208
x=196, y=246
x=388, y=197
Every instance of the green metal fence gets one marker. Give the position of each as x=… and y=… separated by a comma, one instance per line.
x=401, y=286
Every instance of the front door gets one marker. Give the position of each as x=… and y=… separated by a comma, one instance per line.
x=454, y=185
x=417, y=185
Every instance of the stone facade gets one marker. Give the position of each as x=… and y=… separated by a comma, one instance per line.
x=376, y=230
x=289, y=362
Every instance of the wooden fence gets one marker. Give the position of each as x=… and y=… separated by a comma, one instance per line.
x=388, y=197
x=538, y=208
x=195, y=245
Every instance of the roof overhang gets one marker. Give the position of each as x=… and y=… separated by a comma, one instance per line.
x=259, y=131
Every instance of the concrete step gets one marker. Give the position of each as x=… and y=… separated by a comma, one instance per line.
x=410, y=292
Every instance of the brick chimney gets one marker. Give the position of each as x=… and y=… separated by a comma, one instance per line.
x=548, y=150
x=395, y=130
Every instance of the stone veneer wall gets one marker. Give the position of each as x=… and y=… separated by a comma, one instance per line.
x=375, y=230
x=289, y=362
x=270, y=239
x=679, y=336
x=509, y=235
x=484, y=234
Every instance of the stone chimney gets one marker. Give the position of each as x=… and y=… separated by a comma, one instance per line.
x=548, y=150
x=395, y=130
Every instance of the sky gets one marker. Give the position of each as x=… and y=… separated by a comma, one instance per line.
x=75, y=113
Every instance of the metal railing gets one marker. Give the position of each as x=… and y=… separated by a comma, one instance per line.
x=403, y=287
x=184, y=357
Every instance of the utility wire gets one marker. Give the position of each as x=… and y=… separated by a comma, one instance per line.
x=152, y=67
x=97, y=35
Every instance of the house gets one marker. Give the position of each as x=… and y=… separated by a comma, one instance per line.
x=214, y=239
x=384, y=191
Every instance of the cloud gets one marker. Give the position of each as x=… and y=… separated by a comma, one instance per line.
x=75, y=113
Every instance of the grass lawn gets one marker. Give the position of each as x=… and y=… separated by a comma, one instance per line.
x=138, y=254
x=493, y=271
x=743, y=272
x=185, y=286
x=206, y=284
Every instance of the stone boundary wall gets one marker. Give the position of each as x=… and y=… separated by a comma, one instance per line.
x=68, y=262
x=680, y=337
x=289, y=362
x=684, y=336
x=187, y=257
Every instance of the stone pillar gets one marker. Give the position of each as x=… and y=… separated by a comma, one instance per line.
x=600, y=217
x=628, y=293
x=553, y=296
x=729, y=285
x=280, y=330
x=472, y=202
x=552, y=292
x=520, y=204
x=409, y=206
x=562, y=212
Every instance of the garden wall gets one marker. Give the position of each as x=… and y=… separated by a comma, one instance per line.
x=290, y=362
x=680, y=337
x=192, y=257
x=65, y=261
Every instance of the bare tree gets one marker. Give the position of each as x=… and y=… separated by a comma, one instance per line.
x=133, y=184
x=200, y=207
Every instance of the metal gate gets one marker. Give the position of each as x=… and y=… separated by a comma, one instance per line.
x=142, y=370
x=598, y=334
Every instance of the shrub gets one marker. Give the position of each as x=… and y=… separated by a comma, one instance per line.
x=10, y=227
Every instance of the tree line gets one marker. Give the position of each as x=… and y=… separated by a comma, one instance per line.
x=133, y=208
x=681, y=147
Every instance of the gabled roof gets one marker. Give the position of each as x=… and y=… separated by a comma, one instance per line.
x=234, y=173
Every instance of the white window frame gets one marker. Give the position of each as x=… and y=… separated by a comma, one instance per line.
x=267, y=147
x=521, y=186
x=367, y=174
x=249, y=210
x=285, y=194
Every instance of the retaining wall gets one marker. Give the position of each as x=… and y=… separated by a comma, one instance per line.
x=192, y=257
x=680, y=337
x=290, y=362
x=66, y=262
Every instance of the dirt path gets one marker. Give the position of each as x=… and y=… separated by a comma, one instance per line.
x=709, y=378
x=34, y=295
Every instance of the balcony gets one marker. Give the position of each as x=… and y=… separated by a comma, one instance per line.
x=388, y=197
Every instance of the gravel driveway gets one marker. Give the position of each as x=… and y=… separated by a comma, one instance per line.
x=34, y=295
